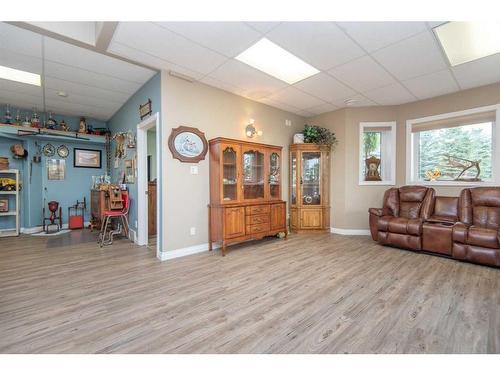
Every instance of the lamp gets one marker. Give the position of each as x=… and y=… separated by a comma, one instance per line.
x=250, y=130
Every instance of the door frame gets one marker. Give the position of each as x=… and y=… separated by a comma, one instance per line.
x=142, y=181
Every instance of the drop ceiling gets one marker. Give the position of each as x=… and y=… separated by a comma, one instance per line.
x=96, y=85
x=365, y=63
x=374, y=63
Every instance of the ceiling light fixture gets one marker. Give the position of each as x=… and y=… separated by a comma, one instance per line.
x=19, y=76
x=468, y=41
x=270, y=58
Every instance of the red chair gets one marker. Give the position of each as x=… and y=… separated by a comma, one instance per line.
x=117, y=214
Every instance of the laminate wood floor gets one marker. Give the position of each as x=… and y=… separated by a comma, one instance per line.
x=310, y=294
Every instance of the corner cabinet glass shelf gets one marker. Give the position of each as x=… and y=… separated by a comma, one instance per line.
x=12, y=198
x=309, y=187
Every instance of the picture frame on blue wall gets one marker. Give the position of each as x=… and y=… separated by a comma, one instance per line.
x=145, y=109
x=87, y=158
x=56, y=169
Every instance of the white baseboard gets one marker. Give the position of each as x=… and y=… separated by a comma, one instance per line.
x=350, y=232
x=172, y=254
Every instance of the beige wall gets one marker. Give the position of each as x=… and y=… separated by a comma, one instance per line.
x=350, y=201
x=218, y=114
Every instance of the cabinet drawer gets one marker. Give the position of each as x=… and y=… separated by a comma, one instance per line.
x=258, y=219
x=257, y=228
x=255, y=210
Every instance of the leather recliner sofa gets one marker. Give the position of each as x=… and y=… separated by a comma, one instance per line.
x=465, y=228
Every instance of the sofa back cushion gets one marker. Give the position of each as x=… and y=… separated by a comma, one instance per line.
x=446, y=208
x=411, y=200
x=486, y=207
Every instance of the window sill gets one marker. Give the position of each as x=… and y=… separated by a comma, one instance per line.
x=464, y=184
x=376, y=183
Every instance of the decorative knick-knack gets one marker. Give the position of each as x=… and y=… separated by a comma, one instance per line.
x=35, y=119
x=83, y=126
x=18, y=118
x=27, y=121
x=8, y=116
x=51, y=123
x=64, y=126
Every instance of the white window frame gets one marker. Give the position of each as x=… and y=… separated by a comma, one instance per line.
x=411, y=150
x=392, y=156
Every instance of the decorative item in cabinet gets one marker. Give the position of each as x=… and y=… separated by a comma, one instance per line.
x=99, y=202
x=245, y=192
x=309, y=187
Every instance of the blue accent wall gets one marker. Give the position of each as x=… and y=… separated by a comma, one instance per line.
x=127, y=119
x=38, y=190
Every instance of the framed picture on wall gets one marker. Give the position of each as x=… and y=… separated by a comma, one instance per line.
x=56, y=169
x=85, y=158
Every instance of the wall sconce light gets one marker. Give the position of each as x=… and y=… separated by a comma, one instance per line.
x=250, y=129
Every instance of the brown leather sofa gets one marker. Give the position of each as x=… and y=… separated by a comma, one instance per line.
x=476, y=238
x=465, y=228
x=400, y=221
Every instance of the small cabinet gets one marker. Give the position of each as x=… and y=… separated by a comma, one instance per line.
x=309, y=187
x=234, y=222
x=278, y=216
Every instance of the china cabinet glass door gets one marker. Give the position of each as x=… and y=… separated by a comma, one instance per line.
x=311, y=178
x=293, y=168
x=230, y=174
x=275, y=175
x=253, y=174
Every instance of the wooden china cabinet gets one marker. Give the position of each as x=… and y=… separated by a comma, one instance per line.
x=309, y=187
x=245, y=192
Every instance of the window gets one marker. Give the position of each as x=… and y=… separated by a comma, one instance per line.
x=453, y=149
x=377, y=158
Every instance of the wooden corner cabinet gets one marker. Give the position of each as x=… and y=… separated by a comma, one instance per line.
x=245, y=192
x=309, y=187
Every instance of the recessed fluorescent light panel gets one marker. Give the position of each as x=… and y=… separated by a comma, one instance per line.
x=19, y=76
x=276, y=61
x=468, y=41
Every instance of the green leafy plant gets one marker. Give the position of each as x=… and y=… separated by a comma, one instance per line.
x=319, y=135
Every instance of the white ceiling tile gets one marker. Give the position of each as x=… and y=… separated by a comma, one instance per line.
x=227, y=38
x=86, y=77
x=321, y=44
x=478, y=73
x=19, y=61
x=296, y=98
x=325, y=87
x=20, y=41
x=390, y=95
x=64, y=53
x=412, y=57
x=375, y=35
x=279, y=105
x=222, y=85
x=322, y=108
x=254, y=83
x=167, y=45
x=77, y=109
x=433, y=24
x=362, y=74
x=86, y=90
x=434, y=84
x=153, y=61
x=263, y=27
x=21, y=88
x=304, y=113
x=73, y=98
x=19, y=99
x=357, y=100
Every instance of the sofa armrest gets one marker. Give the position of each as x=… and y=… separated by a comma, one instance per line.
x=376, y=211
x=460, y=232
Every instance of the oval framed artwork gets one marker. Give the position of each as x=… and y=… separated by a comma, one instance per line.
x=187, y=144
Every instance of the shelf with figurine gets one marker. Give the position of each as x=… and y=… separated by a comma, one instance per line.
x=50, y=128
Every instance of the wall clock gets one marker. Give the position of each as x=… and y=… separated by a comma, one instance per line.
x=63, y=151
x=188, y=145
x=49, y=150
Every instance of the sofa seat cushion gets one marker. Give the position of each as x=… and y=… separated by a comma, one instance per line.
x=400, y=225
x=485, y=237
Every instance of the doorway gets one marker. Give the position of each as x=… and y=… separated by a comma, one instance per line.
x=149, y=183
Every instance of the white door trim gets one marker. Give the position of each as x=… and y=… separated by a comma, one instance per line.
x=142, y=180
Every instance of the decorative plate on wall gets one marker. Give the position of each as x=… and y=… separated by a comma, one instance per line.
x=188, y=145
x=49, y=150
x=63, y=151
